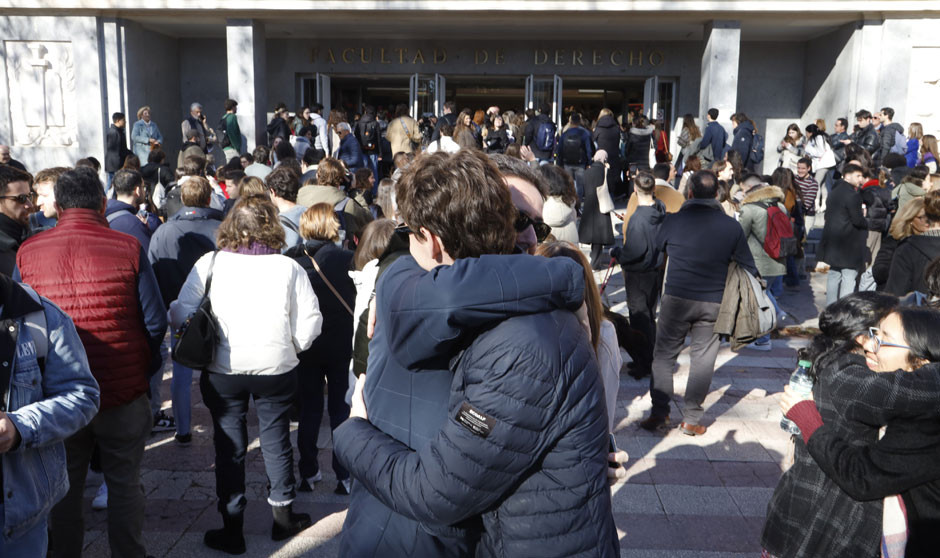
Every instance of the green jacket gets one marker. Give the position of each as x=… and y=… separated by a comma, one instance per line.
x=754, y=222
x=233, y=132
x=906, y=192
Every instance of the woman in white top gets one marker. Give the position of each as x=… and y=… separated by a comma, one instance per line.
x=824, y=159
x=558, y=211
x=267, y=312
x=603, y=339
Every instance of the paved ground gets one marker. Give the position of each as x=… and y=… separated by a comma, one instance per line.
x=684, y=497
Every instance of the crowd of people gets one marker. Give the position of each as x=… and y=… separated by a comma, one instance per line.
x=425, y=286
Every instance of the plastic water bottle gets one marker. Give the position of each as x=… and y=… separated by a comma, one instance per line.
x=801, y=385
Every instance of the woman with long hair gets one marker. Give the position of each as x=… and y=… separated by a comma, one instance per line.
x=301, y=120
x=336, y=116
x=915, y=134
x=495, y=135
x=903, y=462
x=908, y=221
x=559, y=211
x=791, y=147
x=929, y=152
x=255, y=358
x=823, y=157
x=603, y=333
x=915, y=253
x=607, y=137
x=689, y=139
x=793, y=200
x=690, y=166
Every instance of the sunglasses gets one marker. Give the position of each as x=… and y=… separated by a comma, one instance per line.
x=523, y=222
x=21, y=199
x=873, y=335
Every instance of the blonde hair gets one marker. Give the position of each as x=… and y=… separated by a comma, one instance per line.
x=196, y=192
x=821, y=124
x=319, y=222
x=140, y=111
x=915, y=131
x=903, y=224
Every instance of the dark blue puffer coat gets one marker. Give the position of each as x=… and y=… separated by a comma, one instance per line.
x=524, y=441
x=422, y=320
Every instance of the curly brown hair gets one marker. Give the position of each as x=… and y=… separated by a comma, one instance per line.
x=330, y=172
x=463, y=199
x=252, y=220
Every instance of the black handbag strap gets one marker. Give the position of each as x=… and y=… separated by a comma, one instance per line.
x=205, y=293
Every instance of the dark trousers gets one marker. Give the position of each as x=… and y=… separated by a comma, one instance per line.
x=331, y=365
x=226, y=396
x=678, y=317
x=577, y=174
x=643, y=290
x=120, y=434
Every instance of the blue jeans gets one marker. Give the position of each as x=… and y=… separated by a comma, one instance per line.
x=840, y=283
x=775, y=290
x=181, y=394
x=28, y=545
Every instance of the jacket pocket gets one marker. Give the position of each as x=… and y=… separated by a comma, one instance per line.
x=26, y=384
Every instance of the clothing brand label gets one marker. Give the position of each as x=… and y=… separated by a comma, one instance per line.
x=475, y=421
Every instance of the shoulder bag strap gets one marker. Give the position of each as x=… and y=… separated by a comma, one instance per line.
x=316, y=266
x=205, y=293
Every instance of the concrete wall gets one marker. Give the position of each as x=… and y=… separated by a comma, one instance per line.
x=770, y=90
x=76, y=103
x=203, y=78
x=152, y=69
x=828, y=76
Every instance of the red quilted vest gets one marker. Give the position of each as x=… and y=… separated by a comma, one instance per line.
x=91, y=272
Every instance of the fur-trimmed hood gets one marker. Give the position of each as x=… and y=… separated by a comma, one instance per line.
x=764, y=193
x=642, y=131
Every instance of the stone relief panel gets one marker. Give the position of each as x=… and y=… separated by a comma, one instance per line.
x=924, y=93
x=41, y=85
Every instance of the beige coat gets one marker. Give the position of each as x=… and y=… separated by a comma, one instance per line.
x=401, y=132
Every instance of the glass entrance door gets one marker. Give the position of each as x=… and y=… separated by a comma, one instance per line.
x=543, y=90
x=426, y=94
x=323, y=93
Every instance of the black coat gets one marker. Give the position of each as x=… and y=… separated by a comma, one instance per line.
x=449, y=118
x=742, y=140
x=809, y=515
x=877, y=200
x=882, y=266
x=595, y=227
x=910, y=260
x=868, y=139
x=12, y=234
x=607, y=137
x=115, y=149
x=843, y=244
x=637, y=146
x=335, y=263
x=278, y=128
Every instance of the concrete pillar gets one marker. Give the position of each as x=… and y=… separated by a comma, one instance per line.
x=112, y=74
x=867, y=68
x=719, y=83
x=245, y=47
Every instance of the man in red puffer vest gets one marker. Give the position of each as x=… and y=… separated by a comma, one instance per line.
x=103, y=280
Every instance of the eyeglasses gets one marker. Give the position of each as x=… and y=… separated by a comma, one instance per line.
x=523, y=222
x=879, y=343
x=21, y=199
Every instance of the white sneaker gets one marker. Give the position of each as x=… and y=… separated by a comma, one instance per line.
x=101, y=498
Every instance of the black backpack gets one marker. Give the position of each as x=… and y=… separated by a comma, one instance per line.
x=225, y=142
x=369, y=135
x=174, y=201
x=572, y=149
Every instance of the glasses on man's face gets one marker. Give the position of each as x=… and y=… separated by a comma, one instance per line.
x=21, y=199
x=523, y=222
x=875, y=335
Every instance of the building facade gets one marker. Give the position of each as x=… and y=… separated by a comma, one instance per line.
x=68, y=66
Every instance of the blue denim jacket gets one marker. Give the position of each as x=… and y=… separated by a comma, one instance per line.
x=46, y=408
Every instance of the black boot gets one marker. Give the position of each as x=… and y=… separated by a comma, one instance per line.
x=230, y=538
x=287, y=523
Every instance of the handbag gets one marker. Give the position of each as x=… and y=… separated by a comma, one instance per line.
x=199, y=335
x=604, y=202
x=316, y=266
x=663, y=155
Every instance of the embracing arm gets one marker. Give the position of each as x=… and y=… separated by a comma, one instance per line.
x=429, y=313
x=870, y=472
x=874, y=398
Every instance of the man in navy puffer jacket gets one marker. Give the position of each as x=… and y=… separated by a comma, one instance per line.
x=521, y=444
